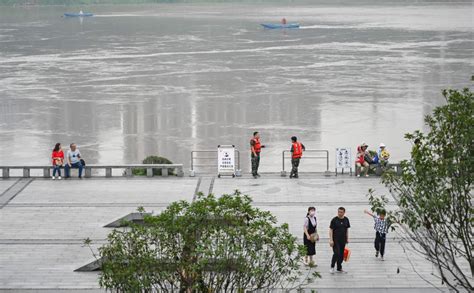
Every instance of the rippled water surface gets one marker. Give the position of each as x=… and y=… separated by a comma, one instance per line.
x=167, y=79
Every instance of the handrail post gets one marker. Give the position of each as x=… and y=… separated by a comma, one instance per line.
x=327, y=173
x=88, y=172
x=46, y=172
x=5, y=173
x=26, y=172
x=283, y=172
x=238, y=171
x=327, y=160
x=191, y=172
x=179, y=171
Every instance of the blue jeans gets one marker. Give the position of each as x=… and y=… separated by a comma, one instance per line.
x=57, y=169
x=75, y=165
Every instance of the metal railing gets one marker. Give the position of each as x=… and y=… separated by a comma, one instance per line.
x=211, y=160
x=306, y=156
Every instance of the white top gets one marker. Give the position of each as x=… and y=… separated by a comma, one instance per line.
x=313, y=221
x=74, y=156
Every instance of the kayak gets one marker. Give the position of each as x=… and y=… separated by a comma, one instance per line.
x=78, y=14
x=279, y=25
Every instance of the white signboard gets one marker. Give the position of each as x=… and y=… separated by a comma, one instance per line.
x=226, y=160
x=343, y=158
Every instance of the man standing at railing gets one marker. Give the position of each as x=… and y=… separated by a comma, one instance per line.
x=297, y=149
x=255, y=148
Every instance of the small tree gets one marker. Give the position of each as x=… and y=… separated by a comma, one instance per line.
x=210, y=245
x=152, y=160
x=434, y=191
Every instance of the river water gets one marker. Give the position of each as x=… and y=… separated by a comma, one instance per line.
x=170, y=78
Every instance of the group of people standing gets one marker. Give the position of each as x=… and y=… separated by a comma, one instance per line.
x=297, y=149
x=339, y=236
x=73, y=159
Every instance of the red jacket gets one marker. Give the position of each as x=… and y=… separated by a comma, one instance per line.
x=257, y=146
x=58, y=154
x=297, y=150
x=360, y=156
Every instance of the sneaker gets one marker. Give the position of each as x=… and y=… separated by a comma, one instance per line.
x=53, y=177
x=366, y=175
x=381, y=258
x=258, y=175
x=341, y=271
x=59, y=177
x=80, y=177
x=377, y=254
x=358, y=175
x=255, y=176
x=312, y=264
x=331, y=271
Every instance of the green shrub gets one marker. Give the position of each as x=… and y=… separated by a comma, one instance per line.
x=152, y=160
x=212, y=244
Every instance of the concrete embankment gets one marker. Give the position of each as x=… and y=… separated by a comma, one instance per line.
x=43, y=224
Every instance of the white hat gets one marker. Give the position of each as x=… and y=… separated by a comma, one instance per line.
x=382, y=145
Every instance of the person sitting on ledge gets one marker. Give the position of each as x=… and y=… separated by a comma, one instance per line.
x=73, y=160
x=361, y=162
x=382, y=155
x=58, y=160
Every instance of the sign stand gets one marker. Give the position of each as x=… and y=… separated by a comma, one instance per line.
x=225, y=160
x=343, y=159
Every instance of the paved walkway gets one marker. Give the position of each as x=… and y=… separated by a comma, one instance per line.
x=43, y=223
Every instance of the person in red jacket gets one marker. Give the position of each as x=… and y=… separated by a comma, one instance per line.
x=255, y=148
x=361, y=163
x=58, y=159
x=297, y=149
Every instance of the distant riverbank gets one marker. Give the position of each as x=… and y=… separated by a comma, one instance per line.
x=102, y=2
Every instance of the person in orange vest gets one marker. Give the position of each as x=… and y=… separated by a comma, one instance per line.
x=255, y=148
x=297, y=149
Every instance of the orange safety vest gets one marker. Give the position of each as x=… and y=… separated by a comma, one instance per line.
x=297, y=150
x=257, y=146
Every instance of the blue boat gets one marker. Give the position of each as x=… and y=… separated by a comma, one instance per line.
x=280, y=25
x=78, y=14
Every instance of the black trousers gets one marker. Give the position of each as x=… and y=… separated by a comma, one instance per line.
x=338, y=254
x=379, y=242
x=255, y=163
x=295, y=162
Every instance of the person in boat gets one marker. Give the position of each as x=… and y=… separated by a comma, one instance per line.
x=283, y=21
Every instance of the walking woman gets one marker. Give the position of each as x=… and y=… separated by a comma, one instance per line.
x=58, y=160
x=310, y=235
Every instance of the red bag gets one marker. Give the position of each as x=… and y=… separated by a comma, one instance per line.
x=347, y=254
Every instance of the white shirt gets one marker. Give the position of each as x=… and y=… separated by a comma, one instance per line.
x=74, y=156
